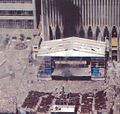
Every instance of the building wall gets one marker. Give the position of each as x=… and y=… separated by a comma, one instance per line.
x=84, y=18
x=19, y=14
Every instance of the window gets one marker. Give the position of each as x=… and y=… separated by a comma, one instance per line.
x=15, y=1
x=21, y=24
x=16, y=13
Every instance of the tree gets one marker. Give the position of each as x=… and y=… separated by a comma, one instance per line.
x=22, y=37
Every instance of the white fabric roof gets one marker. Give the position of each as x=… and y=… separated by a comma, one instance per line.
x=72, y=47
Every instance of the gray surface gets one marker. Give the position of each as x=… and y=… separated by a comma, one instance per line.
x=69, y=71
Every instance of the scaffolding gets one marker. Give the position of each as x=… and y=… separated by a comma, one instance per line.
x=98, y=68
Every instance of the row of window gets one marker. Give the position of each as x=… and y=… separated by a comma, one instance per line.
x=15, y=1
x=21, y=24
x=15, y=13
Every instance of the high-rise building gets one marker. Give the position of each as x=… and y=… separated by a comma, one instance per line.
x=18, y=14
x=83, y=18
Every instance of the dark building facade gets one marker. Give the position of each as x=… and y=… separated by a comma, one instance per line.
x=92, y=19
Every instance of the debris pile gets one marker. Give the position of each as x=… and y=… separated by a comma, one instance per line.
x=87, y=100
x=45, y=103
x=31, y=100
x=100, y=100
x=42, y=102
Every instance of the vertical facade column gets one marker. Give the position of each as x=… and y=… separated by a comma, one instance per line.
x=55, y=20
x=118, y=12
x=87, y=13
x=101, y=12
x=96, y=12
x=107, y=5
x=114, y=13
x=92, y=15
x=73, y=1
x=112, y=3
x=82, y=11
x=54, y=24
x=54, y=9
x=34, y=14
x=110, y=47
x=52, y=18
x=77, y=3
x=47, y=20
x=104, y=12
x=51, y=12
x=44, y=19
x=61, y=27
x=90, y=8
x=110, y=11
x=99, y=1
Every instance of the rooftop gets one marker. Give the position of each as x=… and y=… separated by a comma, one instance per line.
x=72, y=47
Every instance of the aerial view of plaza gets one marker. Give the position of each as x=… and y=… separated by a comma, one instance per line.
x=59, y=56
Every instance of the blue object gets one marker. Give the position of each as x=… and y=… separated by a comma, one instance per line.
x=48, y=71
x=40, y=72
x=95, y=72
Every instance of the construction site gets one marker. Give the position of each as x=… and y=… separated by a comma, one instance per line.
x=76, y=79
x=66, y=62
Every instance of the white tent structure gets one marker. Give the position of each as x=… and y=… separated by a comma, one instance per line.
x=75, y=58
x=72, y=47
